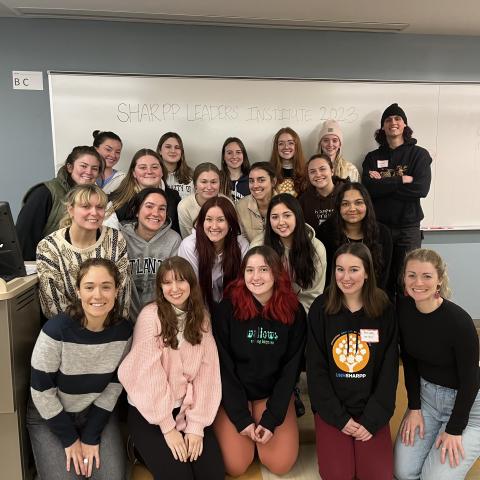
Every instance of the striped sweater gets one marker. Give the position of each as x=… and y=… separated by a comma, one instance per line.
x=58, y=262
x=74, y=368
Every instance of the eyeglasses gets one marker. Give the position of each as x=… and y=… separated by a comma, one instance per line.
x=289, y=143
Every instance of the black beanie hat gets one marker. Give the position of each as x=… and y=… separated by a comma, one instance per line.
x=393, y=109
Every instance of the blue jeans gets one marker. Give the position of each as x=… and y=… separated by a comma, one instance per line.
x=49, y=453
x=422, y=460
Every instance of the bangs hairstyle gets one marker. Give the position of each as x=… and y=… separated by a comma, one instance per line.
x=75, y=309
x=140, y=198
x=381, y=137
x=232, y=256
x=369, y=224
x=100, y=137
x=195, y=314
x=374, y=300
x=430, y=256
x=129, y=186
x=301, y=258
x=225, y=172
x=182, y=171
x=81, y=195
x=283, y=303
x=298, y=160
x=78, y=152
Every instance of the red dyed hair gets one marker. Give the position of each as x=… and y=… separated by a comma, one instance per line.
x=283, y=303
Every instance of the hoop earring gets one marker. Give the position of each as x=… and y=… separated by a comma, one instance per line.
x=437, y=292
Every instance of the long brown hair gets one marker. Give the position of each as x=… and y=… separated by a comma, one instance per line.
x=298, y=160
x=182, y=171
x=374, y=299
x=75, y=309
x=195, y=315
x=129, y=186
x=232, y=256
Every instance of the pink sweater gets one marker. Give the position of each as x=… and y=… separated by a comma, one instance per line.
x=156, y=377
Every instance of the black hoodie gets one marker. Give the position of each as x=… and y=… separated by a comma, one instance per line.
x=397, y=204
x=350, y=377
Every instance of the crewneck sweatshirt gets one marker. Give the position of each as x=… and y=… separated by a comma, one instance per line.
x=442, y=348
x=259, y=358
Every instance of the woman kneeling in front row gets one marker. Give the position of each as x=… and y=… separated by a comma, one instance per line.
x=439, y=437
x=352, y=370
x=260, y=331
x=172, y=378
x=74, y=383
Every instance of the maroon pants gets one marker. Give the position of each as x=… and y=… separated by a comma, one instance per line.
x=341, y=457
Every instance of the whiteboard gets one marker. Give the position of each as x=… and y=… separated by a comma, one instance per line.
x=445, y=119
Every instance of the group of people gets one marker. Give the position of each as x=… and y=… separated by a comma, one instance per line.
x=204, y=294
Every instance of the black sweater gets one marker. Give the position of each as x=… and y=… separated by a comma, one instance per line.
x=397, y=204
x=348, y=377
x=382, y=253
x=442, y=348
x=259, y=358
x=317, y=209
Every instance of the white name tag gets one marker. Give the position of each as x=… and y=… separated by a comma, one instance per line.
x=382, y=163
x=369, y=335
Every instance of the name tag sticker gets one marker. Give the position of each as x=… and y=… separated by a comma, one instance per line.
x=369, y=335
x=382, y=163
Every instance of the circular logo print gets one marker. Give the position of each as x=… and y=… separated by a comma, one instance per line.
x=349, y=356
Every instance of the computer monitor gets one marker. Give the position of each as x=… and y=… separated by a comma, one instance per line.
x=11, y=260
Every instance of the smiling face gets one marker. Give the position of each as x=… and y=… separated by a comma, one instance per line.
x=259, y=278
x=330, y=145
x=260, y=184
x=233, y=156
x=350, y=274
x=147, y=172
x=215, y=225
x=84, y=170
x=175, y=290
x=286, y=146
x=282, y=221
x=394, y=126
x=97, y=294
x=320, y=174
x=421, y=281
x=110, y=150
x=352, y=207
x=171, y=151
x=88, y=215
x=207, y=186
x=151, y=215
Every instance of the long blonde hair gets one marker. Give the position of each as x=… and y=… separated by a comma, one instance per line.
x=431, y=256
x=129, y=186
x=81, y=194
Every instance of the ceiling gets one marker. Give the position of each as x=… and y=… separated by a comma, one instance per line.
x=440, y=17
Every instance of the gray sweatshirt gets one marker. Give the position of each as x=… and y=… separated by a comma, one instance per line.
x=145, y=259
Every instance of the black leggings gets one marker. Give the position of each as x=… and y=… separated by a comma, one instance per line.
x=150, y=443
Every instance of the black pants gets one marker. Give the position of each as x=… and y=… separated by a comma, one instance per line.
x=150, y=443
x=404, y=240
